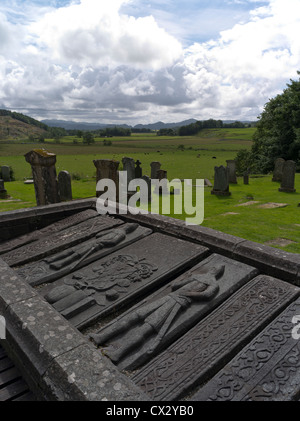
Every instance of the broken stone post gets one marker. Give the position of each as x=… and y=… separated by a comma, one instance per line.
x=231, y=165
x=161, y=175
x=107, y=169
x=288, y=177
x=277, y=174
x=129, y=167
x=44, y=176
x=3, y=192
x=64, y=186
x=155, y=166
x=221, y=182
x=246, y=177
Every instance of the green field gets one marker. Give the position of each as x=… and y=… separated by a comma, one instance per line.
x=279, y=227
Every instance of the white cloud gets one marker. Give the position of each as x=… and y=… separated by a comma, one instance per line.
x=95, y=33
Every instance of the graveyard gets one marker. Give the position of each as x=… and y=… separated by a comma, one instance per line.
x=117, y=306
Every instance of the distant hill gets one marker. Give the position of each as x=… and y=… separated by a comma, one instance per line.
x=19, y=126
x=72, y=125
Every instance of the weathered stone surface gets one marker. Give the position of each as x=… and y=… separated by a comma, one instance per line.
x=59, y=241
x=155, y=166
x=123, y=276
x=83, y=374
x=266, y=369
x=64, y=186
x=44, y=175
x=278, y=168
x=3, y=192
x=48, y=230
x=107, y=169
x=5, y=173
x=159, y=320
x=221, y=182
x=288, y=177
x=63, y=263
x=231, y=165
x=215, y=340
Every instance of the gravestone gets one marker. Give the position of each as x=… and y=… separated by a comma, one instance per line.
x=221, y=182
x=63, y=263
x=155, y=166
x=129, y=167
x=59, y=241
x=231, y=165
x=107, y=169
x=123, y=276
x=278, y=168
x=147, y=328
x=148, y=181
x=138, y=170
x=5, y=171
x=161, y=175
x=64, y=186
x=44, y=175
x=246, y=177
x=288, y=177
x=3, y=192
x=267, y=369
x=212, y=342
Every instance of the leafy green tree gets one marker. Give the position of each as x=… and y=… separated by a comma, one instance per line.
x=278, y=130
x=88, y=138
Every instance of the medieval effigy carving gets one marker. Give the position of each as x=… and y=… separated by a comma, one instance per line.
x=148, y=325
x=99, y=286
x=59, y=241
x=68, y=261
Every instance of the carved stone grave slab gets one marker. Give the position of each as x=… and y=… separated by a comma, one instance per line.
x=153, y=324
x=48, y=230
x=266, y=369
x=59, y=241
x=121, y=277
x=63, y=263
x=207, y=347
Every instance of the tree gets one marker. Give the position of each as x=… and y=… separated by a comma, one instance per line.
x=278, y=130
x=88, y=138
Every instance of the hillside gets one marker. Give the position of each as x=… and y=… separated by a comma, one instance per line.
x=14, y=126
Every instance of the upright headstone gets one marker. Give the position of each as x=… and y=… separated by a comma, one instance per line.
x=277, y=174
x=155, y=166
x=129, y=167
x=221, y=182
x=148, y=181
x=231, y=165
x=5, y=171
x=288, y=177
x=107, y=168
x=44, y=175
x=246, y=177
x=3, y=192
x=138, y=169
x=64, y=186
x=161, y=175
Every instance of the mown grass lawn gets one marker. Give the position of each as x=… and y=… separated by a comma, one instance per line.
x=278, y=227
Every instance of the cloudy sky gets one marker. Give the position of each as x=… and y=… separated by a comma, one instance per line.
x=141, y=61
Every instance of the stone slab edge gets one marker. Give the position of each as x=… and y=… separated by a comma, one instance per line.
x=273, y=262
x=56, y=360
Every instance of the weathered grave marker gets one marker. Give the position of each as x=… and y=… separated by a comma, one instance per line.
x=107, y=169
x=153, y=324
x=44, y=175
x=3, y=192
x=5, y=171
x=123, y=276
x=155, y=166
x=231, y=165
x=221, y=182
x=288, y=177
x=278, y=168
x=64, y=186
x=266, y=369
x=212, y=343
